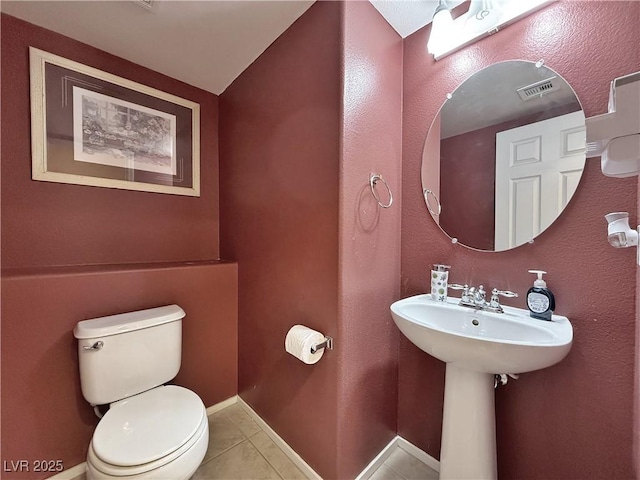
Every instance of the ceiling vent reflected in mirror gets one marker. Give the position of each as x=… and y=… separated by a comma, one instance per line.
x=536, y=90
x=146, y=4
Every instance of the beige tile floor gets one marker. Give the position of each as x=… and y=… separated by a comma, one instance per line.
x=401, y=465
x=240, y=450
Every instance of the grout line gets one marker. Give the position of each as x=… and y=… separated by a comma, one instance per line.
x=265, y=458
x=222, y=452
x=297, y=460
x=393, y=446
x=396, y=475
x=247, y=438
x=261, y=430
x=398, y=443
x=379, y=459
x=421, y=455
x=240, y=428
x=219, y=412
x=393, y=470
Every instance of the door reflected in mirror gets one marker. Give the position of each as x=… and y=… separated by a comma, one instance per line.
x=504, y=155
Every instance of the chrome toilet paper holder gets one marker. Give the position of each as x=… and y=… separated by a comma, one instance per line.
x=328, y=344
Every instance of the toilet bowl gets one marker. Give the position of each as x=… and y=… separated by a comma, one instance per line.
x=159, y=434
x=151, y=431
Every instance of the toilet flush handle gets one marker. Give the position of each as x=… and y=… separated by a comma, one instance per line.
x=96, y=346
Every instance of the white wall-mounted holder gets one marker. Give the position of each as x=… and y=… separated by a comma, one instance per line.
x=620, y=234
x=615, y=136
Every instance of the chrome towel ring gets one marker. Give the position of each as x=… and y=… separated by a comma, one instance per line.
x=373, y=181
x=426, y=193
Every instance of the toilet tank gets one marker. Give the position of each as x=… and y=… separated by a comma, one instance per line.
x=122, y=355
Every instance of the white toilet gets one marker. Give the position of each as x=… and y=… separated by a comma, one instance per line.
x=151, y=431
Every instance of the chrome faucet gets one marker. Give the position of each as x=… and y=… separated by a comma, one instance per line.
x=494, y=303
x=476, y=297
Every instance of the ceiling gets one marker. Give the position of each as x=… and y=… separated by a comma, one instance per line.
x=204, y=43
x=493, y=91
x=409, y=16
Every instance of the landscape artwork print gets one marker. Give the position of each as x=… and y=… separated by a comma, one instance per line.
x=114, y=132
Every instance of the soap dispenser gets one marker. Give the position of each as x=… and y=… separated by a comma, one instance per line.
x=540, y=300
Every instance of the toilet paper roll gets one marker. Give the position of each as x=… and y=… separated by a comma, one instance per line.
x=299, y=341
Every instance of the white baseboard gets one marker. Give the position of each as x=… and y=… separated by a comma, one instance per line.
x=421, y=455
x=398, y=442
x=379, y=460
x=304, y=467
x=71, y=473
x=224, y=404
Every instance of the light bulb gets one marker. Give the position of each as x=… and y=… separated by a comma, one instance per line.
x=442, y=29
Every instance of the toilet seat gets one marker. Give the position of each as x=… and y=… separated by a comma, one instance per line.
x=147, y=431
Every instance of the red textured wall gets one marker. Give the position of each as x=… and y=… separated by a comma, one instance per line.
x=312, y=245
x=146, y=250
x=575, y=419
x=279, y=151
x=636, y=396
x=465, y=210
x=46, y=224
x=369, y=237
x=44, y=415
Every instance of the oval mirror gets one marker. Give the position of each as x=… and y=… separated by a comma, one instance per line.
x=504, y=155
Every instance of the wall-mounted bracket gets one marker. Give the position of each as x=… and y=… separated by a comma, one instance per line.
x=615, y=136
x=620, y=234
x=327, y=344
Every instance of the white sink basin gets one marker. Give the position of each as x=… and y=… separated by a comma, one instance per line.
x=476, y=345
x=509, y=342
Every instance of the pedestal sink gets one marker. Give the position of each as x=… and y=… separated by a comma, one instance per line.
x=476, y=345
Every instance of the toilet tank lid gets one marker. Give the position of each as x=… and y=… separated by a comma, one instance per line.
x=127, y=322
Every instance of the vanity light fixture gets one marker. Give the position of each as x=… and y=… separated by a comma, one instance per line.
x=484, y=17
x=442, y=29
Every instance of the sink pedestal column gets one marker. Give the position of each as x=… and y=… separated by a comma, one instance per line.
x=468, y=449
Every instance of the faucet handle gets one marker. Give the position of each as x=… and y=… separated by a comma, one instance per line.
x=494, y=303
x=480, y=293
x=505, y=293
x=495, y=294
x=457, y=286
x=465, y=291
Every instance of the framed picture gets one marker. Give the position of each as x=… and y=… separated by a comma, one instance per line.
x=89, y=127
